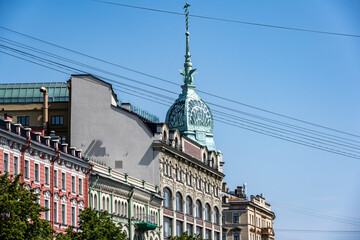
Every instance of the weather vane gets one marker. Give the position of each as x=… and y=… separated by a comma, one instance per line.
x=186, y=7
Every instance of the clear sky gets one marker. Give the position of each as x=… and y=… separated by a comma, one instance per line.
x=309, y=76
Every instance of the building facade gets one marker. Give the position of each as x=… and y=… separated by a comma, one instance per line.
x=43, y=107
x=58, y=173
x=132, y=203
x=246, y=219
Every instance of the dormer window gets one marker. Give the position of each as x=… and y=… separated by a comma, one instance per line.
x=204, y=158
x=176, y=143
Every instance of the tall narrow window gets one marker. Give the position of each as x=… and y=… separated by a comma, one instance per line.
x=236, y=218
x=55, y=212
x=16, y=165
x=198, y=209
x=207, y=212
x=80, y=187
x=47, y=212
x=46, y=175
x=73, y=190
x=6, y=162
x=63, y=181
x=73, y=216
x=27, y=170
x=37, y=172
x=179, y=202
x=216, y=215
x=236, y=236
x=55, y=178
x=167, y=198
x=63, y=214
x=189, y=206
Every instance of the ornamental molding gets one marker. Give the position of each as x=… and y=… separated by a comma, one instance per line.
x=64, y=199
x=47, y=194
x=73, y=202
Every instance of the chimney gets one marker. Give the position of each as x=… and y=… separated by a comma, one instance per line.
x=27, y=133
x=223, y=189
x=47, y=140
x=18, y=128
x=56, y=144
x=65, y=147
x=78, y=153
x=239, y=192
x=126, y=106
x=72, y=150
x=8, y=116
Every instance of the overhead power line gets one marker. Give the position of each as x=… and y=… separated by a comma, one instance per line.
x=164, y=80
x=274, y=133
x=232, y=20
x=317, y=231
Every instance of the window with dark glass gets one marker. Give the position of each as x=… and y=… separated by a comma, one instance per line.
x=189, y=206
x=179, y=202
x=167, y=227
x=57, y=120
x=236, y=236
x=23, y=120
x=207, y=212
x=16, y=165
x=46, y=175
x=73, y=184
x=167, y=198
x=27, y=175
x=6, y=162
x=236, y=218
x=37, y=172
x=63, y=214
x=63, y=181
x=179, y=228
x=198, y=209
x=216, y=215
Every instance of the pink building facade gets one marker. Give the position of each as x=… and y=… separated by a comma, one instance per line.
x=57, y=172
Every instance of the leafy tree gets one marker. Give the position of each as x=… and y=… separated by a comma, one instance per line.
x=185, y=236
x=94, y=225
x=19, y=213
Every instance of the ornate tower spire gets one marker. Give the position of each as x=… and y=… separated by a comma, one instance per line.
x=188, y=72
x=189, y=113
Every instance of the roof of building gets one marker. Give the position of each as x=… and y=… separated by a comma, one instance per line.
x=30, y=92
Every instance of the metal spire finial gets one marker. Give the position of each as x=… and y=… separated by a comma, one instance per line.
x=188, y=72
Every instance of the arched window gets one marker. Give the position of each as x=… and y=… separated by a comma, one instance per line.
x=198, y=209
x=95, y=202
x=179, y=202
x=207, y=212
x=177, y=173
x=189, y=206
x=216, y=215
x=103, y=203
x=108, y=204
x=116, y=207
x=91, y=200
x=204, y=158
x=167, y=198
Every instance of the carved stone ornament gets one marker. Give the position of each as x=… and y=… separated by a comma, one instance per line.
x=47, y=194
x=64, y=199
x=176, y=115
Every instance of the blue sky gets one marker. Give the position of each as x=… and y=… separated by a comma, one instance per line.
x=309, y=76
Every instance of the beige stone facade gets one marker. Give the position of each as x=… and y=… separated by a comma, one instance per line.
x=246, y=219
x=190, y=182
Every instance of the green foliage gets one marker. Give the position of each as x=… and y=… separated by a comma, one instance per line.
x=94, y=225
x=185, y=236
x=19, y=213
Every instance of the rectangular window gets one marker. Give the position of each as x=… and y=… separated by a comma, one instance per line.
x=16, y=165
x=236, y=236
x=47, y=213
x=6, y=162
x=63, y=181
x=216, y=236
x=63, y=214
x=179, y=228
x=73, y=216
x=73, y=180
x=199, y=231
x=80, y=187
x=189, y=228
x=167, y=227
x=236, y=218
x=46, y=175
x=23, y=120
x=207, y=234
x=224, y=236
x=57, y=120
x=37, y=172
x=55, y=178
x=55, y=212
x=27, y=170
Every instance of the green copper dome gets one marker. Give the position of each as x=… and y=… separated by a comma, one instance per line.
x=189, y=114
